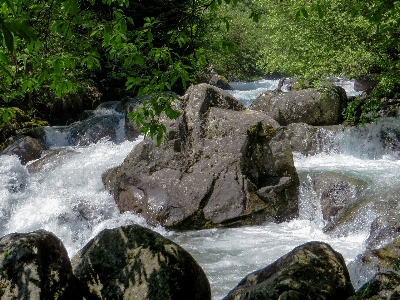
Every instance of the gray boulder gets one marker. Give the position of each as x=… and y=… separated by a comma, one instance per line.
x=311, y=140
x=220, y=82
x=311, y=271
x=365, y=83
x=36, y=266
x=133, y=262
x=303, y=106
x=383, y=230
x=337, y=192
x=51, y=161
x=26, y=148
x=93, y=129
x=222, y=165
x=366, y=265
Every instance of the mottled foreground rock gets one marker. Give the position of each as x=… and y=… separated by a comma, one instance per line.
x=311, y=271
x=383, y=230
x=383, y=286
x=26, y=148
x=35, y=266
x=303, y=106
x=371, y=262
x=133, y=262
x=222, y=165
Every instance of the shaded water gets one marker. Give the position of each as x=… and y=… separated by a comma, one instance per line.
x=67, y=197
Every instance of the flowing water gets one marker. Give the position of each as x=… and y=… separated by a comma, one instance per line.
x=66, y=196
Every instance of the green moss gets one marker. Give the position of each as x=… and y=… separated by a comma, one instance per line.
x=5, y=254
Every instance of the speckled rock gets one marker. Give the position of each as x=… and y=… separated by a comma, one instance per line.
x=36, y=266
x=383, y=286
x=26, y=148
x=337, y=192
x=303, y=106
x=133, y=262
x=383, y=230
x=223, y=165
x=366, y=265
x=311, y=271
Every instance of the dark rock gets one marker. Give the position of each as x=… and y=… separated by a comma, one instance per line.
x=26, y=148
x=336, y=193
x=383, y=230
x=311, y=271
x=365, y=83
x=36, y=266
x=381, y=287
x=220, y=82
x=92, y=130
x=86, y=114
x=311, y=140
x=366, y=265
x=222, y=164
x=132, y=130
x=304, y=106
x=51, y=161
x=133, y=262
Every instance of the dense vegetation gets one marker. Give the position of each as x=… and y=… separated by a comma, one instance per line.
x=61, y=51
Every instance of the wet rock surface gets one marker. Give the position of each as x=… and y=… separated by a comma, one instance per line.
x=35, y=266
x=366, y=265
x=26, y=148
x=303, y=106
x=383, y=230
x=311, y=140
x=311, y=271
x=383, y=286
x=133, y=262
x=222, y=165
x=337, y=192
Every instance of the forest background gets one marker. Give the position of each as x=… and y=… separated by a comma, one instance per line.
x=58, y=57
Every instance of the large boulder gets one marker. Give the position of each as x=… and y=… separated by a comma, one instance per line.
x=311, y=271
x=303, y=106
x=133, y=262
x=26, y=148
x=383, y=230
x=222, y=165
x=36, y=266
x=366, y=265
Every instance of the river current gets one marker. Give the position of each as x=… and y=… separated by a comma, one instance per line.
x=67, y=197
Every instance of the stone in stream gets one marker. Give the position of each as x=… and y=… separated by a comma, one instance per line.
x=26, y=148
x=383, y=230
x=133, y=262
x=93, y=129
x=222, y=165
x=337, y=192
x=36, y=266
x=383, y=286
x=311, y=271
x=311, y=140
x=303, y=106
x=366, y=265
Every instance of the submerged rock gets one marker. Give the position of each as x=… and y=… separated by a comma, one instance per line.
x=133, y=262
x=383, y=286
x=222, y=165
x=26, y=148
x=311, y=271
x=36, y=266
x=51, y=161
x=366, y=265
x=303, y=106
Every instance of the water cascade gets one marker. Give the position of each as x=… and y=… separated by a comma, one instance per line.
x=65, y=195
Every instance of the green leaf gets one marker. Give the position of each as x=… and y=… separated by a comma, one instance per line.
x=149, y=37
x=3, y=58
x=10, y=6
x=8, y=38
x=5, y=116
x=5, y=70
